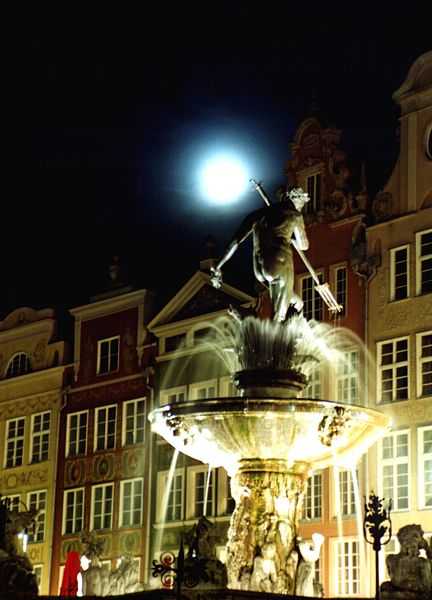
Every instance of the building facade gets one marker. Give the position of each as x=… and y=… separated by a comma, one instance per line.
x=103, y=477
x=188, y=369
x=399, y=324
x=32, y=369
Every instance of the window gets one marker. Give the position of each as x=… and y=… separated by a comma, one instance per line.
x=203, y=488
x=312, y=301
x=76, y=434
x=102, y=506
x=392, y=547
x=131, y=501
x=341, y=288
x=105, y=429
x=313, y=187
x=40, y=424
x=395, y=474
x=393, y=359
x=174, y=502
x=424, y=261
x=14, y=501
x=313, y=498
x=133, y=422
x=173, y=395
x=345, y=483
x=314, y=386
x=108, y=355
x=424, y=363
x=175, y=342
x=348, y=568
x=73, y=511
x=347, y=378
x=425, y=466
x=14, y=442
x=203, y=390
x=37, y=501
x=399, y=273
x=18, y=365
x=227, y=388
x=37, y=570
x=204, y=335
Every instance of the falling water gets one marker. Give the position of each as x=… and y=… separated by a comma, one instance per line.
x=165, y=500
x=207, y=485
x=337, y=497
x=359, y=519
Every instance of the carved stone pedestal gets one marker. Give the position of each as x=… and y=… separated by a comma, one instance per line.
x=261, y=552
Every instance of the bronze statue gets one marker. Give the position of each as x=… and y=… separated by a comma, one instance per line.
x=273, y=227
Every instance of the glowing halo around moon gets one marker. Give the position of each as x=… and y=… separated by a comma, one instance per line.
x=223, y=179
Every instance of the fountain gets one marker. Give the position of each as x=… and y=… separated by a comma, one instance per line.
x=269, y=439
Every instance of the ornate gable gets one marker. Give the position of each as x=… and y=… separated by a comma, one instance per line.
x=206, y=300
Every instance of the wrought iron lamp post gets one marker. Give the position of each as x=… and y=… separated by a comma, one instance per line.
x=377, y=529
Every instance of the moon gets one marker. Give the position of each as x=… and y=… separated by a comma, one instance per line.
x=223, y=179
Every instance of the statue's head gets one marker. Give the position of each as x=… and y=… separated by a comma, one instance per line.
x=410, y=538
x=298, y=197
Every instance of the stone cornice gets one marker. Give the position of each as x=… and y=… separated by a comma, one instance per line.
x=109, y=306
x=27, y=330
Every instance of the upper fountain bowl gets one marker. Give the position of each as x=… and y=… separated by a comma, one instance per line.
x=314, y=433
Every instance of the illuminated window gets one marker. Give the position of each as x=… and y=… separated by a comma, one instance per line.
x=108, y=355
x=341, y=288
x=399, y=273
x=14, y=442
x=173, y=395
x=348, y=568
x=394, y=475
x=40, y=425
x=76, y=434
x=312, y=301
x=313, y=499
x=174, y=502
x=345, y=484
x=424, y=363
x=314, y=386
x=102, y=506
x=425, y=466
x=202, y=487
x=133, y=422
x=347, y=378
x=313, y=188
x=18, y=365
x=203, y=390
x=393, y=374
x=73, y=511
x=131, y=502
x=227, y=388
x=37, y=570
x=105, y=427
x=424, y=261
x=37, y=501
x=14, y=501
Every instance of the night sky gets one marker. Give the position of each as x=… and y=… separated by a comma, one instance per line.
x=113, y=114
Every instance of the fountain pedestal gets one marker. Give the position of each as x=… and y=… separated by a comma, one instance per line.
x=261, y=550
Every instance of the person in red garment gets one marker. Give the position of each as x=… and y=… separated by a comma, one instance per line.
x=69, y=586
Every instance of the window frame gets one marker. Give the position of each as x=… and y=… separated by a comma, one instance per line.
x=15, y=440
x=192, y=472
x=316, y=298
x=419, y=363
x=421, y=458
x=335, y=269
x=340, y=483
x=121, y=505
x=316, y=380
x=314, y=204
x=314, y=504
x=42, y=511
x=13, y=498
x=201, y=385
x=104, y=487
x=174, y=391
x=40, y=434
x=393, y=273
x=68, y=431
x=419, y=261
x=394, y=461
x=99, y=356
x=99, y=410
x=66, y=493
x=394, y=366
x=162, y=482
x=349, y=376
x=341, y=581
x=21, y=371
x=134, y=401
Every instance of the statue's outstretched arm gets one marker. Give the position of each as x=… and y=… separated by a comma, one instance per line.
x=242, y=233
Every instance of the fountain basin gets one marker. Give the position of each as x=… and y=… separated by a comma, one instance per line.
x=300, y=434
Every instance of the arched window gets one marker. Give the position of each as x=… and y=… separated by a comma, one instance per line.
x=19, y=364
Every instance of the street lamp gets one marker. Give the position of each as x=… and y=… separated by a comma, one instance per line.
x=377, y=529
